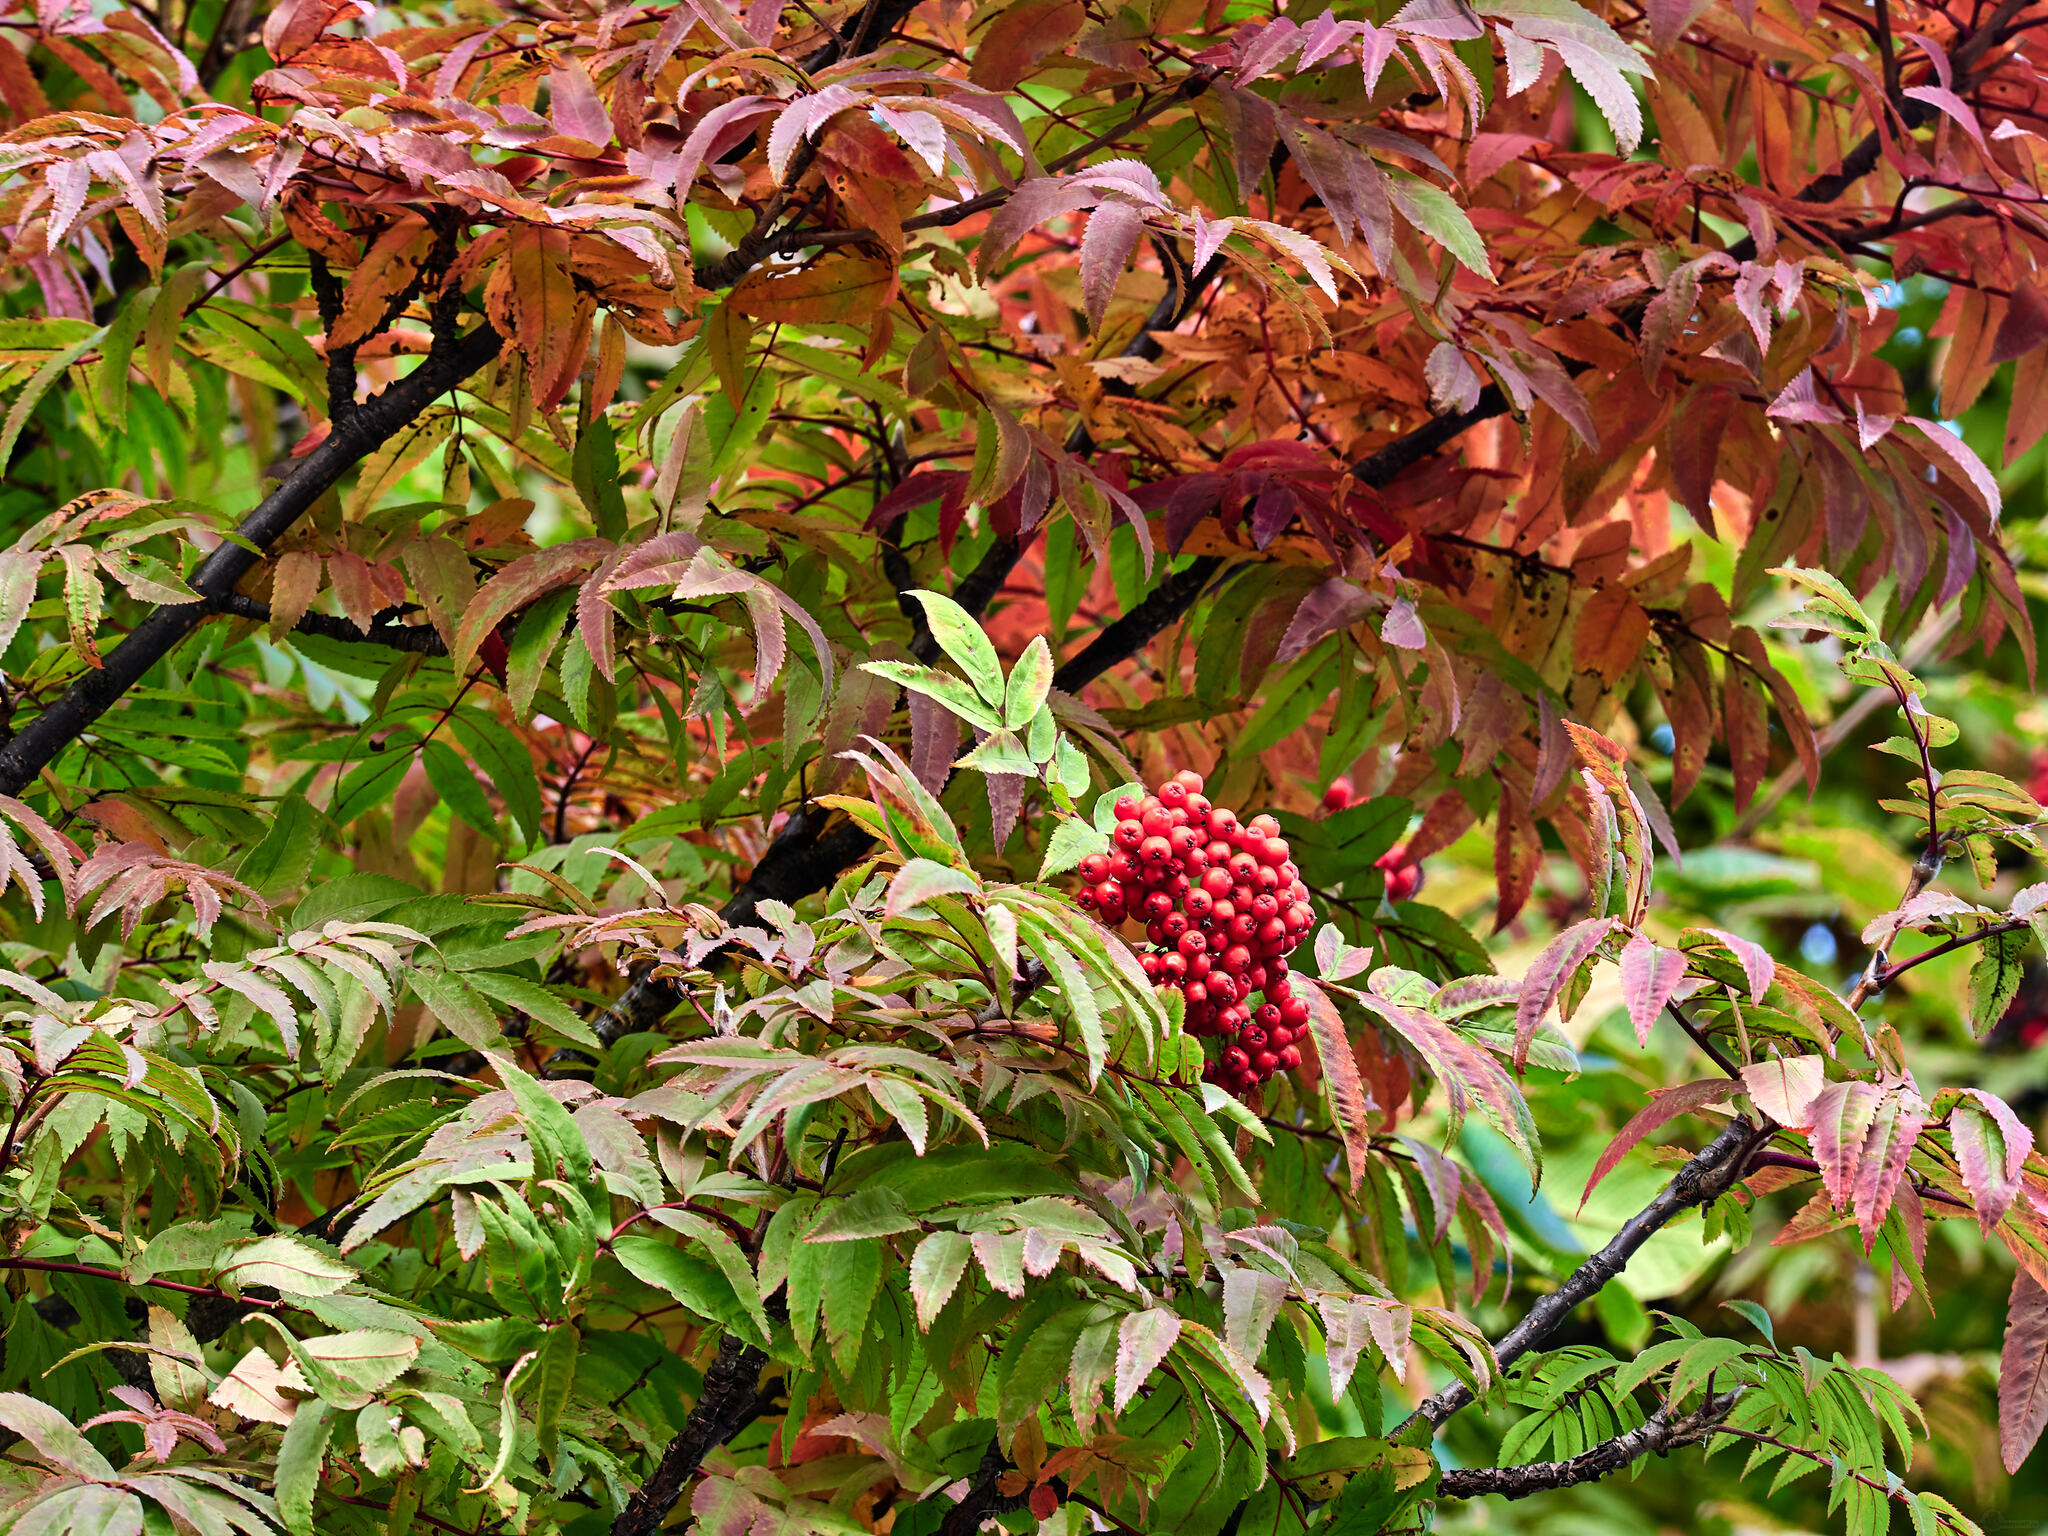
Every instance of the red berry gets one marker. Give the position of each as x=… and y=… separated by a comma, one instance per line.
x=1095, y=868
x=1294, y=1012
x=1155, y=930
x=1148, y=805
x=1235, y=1060
x=1195, y=992
x=1290, y=874
x=1112, y=915
x=1217, y=852
x=1277, y=970
x=1199, y=903
x=1264, y=825
x=1272, y=931
x=1173, y=793
x=1244, y=927
x=1184, y=841
x=1237, y=959
x=1199, y=966
x=1268, y=1015
x=1217, y=882
x=1223, y=988
x=1156, y=823
x=1290, y=1057
x=1252, y=1037
x=1157, y=905
x=1191, y=943
x=1172, y=924
x=1338, y=795
x=1255, y=978
x=1267, y=879
x=1198, y=806
x=1267, y=1062
x=1127, y=808
x=1124, y=865
x=1155, y=850
x=1189, y=780
x=1222, y=822
x=1265, y=905
x=1242, y=868
x=1128, y=834
x=1109, y=893
x=1149, y=964
x=1277, y=991
x=1223, y=909
x=1173, y=965
x=1085, y=898
x=1176, y=885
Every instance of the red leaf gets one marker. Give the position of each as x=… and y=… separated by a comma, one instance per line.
x=2023, y=1371
x=1757, y=965
x=1665, y=1107
x=1694, y=444
x=1991, y=1145
x=1350, y=1105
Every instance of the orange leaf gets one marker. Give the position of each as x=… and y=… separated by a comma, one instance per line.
x=835, y=290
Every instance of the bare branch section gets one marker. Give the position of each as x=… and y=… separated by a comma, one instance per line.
x=1707, y=1177
x=1659, y=1435
x=367, y=428
x=729, y=1402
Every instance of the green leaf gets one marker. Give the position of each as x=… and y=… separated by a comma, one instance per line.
x=1030, y=684
x=549, y=1126
x=553, y=1374
x=284, y=858
x=962, y=639
x=537, y=1003
x=697, y=1284
x=288, y=1264
x=918, y=881
x=949, y=690
x=453, y=782
x=456, y=1004
x=506, y=763
x=298, y=1465
x=1072, y=841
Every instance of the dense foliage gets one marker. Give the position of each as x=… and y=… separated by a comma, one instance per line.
x=615, y=618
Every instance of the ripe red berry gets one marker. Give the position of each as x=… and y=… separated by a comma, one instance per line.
x=1109, y=893
x=1155, y=850
x=1222, y=822
x=1148, y=805
x=1127, y=808
x=1095, y=868
x=1217, y=882
x=1172, y=925
x=1267, y=878
x=1236, y=959
x=1252, y=1037
x=1085, y=898
x=1157, y=905
x=1173, y=793
x=1255, y=978
x=1112, y=915
x=1184, y=841
x=1338, y=795
x=1264, y=825
x=1198, y=806
x=1265, y=905
x=1290, y=1057
x=1272, y=852
x=1128, y=834
x=1176, y=883
x=1198, y=903
x=1191, y=943
x=1268, y=1015
x=1189, y=780
x=1244, y=927
x=1199, y=966
x=1173, y=964
x=1223, y=987
x=1195, y=992
x=1243, y=867
x=1235, y=1060
x=1277, y=989
x=1156, y=823
x=1124, y=864
x=1266, y=1062
x=1294, y=1012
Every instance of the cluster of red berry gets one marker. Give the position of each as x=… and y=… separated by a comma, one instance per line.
x=1223, y=905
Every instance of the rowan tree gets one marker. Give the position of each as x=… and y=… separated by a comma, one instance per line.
x=872, y=766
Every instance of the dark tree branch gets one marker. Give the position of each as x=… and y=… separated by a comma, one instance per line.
x=384, y=629
x=368, y=426
x=728, y=1403
x=1659, y=1433
x=1707, y=1177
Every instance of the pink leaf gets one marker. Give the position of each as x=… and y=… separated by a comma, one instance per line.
x=1649, y=973
x=1665, y=1107
x=1757, y=965
x=575, y=108
x=1783, y=1087
x=1991, y=1145
x=1839, y=1122
x=2023, y=1371
x=1965, y=460
x=1113, y=231
x=1547, y=977
x=1893, y=1130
